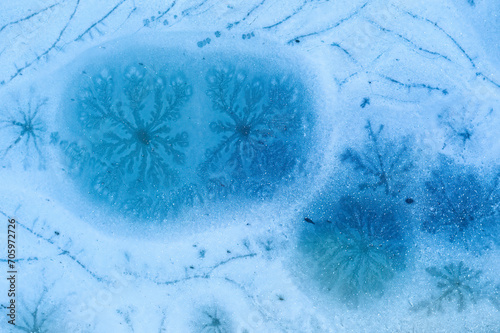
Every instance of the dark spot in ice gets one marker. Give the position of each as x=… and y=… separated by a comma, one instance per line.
x=308, y=220
x=248, y=36
x=143, y=136
x=409, y=201
x=465, y=135
x=243, y=130
x=204, y=42
x=365, y=102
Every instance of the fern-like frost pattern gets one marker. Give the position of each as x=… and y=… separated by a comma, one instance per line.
x=384, y=163
x=458, y=286
x=134, y=143
x=356, y=250
x=213, y=319
x=258, y=125
x=132, y=149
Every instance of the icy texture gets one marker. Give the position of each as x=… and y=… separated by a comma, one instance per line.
x=458, y=284
x=463, y=206
x=25, y=125
x=260, y=132
x=146, y=201
x=386, y=162
x=212, y=320
x=131, y=157
x=356, y=250
x=155, y=141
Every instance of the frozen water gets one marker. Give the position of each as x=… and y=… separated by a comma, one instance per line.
x=251, y=166
x=165, y=130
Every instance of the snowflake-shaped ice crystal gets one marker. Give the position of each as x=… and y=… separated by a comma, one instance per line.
x=457, y=284
x=259, y=131
x=128, y=125
x=356, y=251
x=27, y=129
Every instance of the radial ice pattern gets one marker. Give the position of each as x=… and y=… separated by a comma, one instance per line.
x=356, y=250
x=153, y=135
x=257, y=122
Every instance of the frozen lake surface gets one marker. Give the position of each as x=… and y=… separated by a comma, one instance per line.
x=250, y=166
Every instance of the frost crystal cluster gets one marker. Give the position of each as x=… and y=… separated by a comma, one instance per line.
x=129, y=122
x=258, y=132
x=457, y=284
x=356, y=250
x=153, y=140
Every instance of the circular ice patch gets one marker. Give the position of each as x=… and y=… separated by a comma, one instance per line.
x=354, y=249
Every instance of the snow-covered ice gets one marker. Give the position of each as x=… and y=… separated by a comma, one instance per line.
x=251, y=166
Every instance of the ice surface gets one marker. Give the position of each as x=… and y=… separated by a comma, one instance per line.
x=251, y=166
x=165, y=131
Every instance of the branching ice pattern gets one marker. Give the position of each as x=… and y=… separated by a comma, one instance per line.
x=95, y=26
x=384, y=162
x=356, y=251
x=128, y=128
x=128, y=153
x=463, y=206
x=259, y=132
x=60, y=40
x=436, y=193
x=39, y=318
x=192, y=274
x=28, y=130
x=213, y=319
x=54, y=242
x=457, y=284
x=130, y=313
x=462, y=126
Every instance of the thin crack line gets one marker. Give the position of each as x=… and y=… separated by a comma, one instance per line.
x=454, y=41
x=29, y=16
x=291, y=41
x=413, y=85
x=63, y=251
x=295, y=12
x=165, y=12
x=99, y=21
x=232, y=25
x=46, y=52
x=409, y=41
